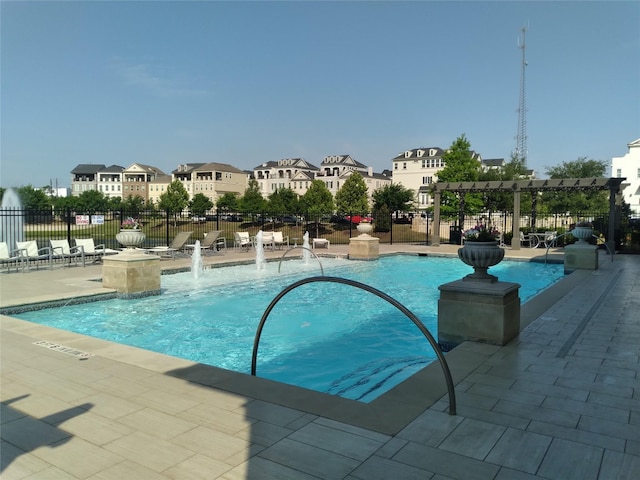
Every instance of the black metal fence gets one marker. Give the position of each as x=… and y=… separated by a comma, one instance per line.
x=161, y=227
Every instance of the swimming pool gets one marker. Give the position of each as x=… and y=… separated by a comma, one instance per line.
x=327, y=337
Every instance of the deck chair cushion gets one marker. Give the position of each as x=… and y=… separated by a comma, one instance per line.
x=30, y=246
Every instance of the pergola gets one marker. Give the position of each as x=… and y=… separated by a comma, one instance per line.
x=519, y=186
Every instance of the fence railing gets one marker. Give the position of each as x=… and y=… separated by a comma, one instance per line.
x=161, y=227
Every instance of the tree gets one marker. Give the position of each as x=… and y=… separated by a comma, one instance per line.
x=352, y=196
x=460, y=166
x=578, y=201
x=32, y=199
x=283, y=200
x=174, y=200
x=252, y=201
x=395, y=197
x=132, y=206
x=228, y=202
x=92, y=201
x=317, y=201
x=200, y=204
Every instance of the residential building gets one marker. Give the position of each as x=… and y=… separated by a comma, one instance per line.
x=628, y=166
x=110, y=181
x=158, y=186
x=136, y=179
x=294, y=173
x=417, y=169
x=212, y=179
x=335, y=169
x=85, y=177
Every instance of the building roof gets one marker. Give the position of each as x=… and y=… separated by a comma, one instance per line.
x=341, y=160
x=422, y=152
x=85, y=168
x=291, y=162
x=493, y=162
x=218, y=167
x=113, y=169
x=187, y=168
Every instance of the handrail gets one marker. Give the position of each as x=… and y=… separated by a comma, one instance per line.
x=378, y=293
x=606, y=244
x=304, y=248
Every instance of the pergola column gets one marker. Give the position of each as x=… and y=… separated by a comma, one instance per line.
x=515, y=228
x=435, y=239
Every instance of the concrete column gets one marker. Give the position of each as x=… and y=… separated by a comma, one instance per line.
x=132, y=275
x=478, y=311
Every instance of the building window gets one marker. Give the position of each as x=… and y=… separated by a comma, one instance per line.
x=427, y=180
x=395, y=166
x=404, y=165
x=638, y=174
x=619, y=172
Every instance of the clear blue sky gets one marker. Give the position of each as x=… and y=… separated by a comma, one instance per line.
x=164, y=83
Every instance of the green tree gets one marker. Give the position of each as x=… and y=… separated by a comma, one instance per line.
x=200, y=204
x=578, y=201
x=460, y=166
x=92, y=201
x=252, y=201
x=32, y=199
x=352, y=196
x=283, y=200
x=174, y=200
x=396, y=197
x=228, y=202
x=317, y=201
x=132, y=206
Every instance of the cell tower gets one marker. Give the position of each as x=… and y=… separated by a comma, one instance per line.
x=521, y=138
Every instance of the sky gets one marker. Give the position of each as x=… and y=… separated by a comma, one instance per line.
x=170, y=82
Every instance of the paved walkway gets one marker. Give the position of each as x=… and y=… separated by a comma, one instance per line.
x=562, y=401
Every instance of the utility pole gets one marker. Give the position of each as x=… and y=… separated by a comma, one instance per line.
x=521, y=138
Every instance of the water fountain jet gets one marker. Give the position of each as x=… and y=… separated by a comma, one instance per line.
x=11, y=219
x=260, y=259
x=197, y=267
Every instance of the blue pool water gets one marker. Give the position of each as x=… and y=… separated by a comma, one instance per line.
x=324, y=336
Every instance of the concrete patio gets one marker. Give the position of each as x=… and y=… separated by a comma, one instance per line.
x=561, y=401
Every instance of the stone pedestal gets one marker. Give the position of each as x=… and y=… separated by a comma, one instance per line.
x=580, y=257
x=132, y=274
x=487, y=312
x=364, y=247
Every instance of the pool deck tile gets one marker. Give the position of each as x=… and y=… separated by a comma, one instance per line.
x=561, y=401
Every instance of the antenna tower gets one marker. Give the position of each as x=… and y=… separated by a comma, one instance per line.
x=521, y=138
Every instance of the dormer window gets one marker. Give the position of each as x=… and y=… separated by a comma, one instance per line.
x=407, y=154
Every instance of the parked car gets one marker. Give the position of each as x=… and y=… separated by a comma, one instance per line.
x=197, y=219
x=235, y=218
x=289, y=219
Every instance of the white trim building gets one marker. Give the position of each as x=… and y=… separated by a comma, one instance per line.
x=628, y=166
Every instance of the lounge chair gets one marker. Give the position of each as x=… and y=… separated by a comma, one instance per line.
x=92, y=250
x=177, y=245
x=211, y=242
x=30, y=253
x=525, y=239
x=242, y=240
x=320, y=242
x=8, y=257
x=60, y=249
x=279, y=240
x=267, y=240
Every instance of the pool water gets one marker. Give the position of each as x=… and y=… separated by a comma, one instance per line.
x=328, y=337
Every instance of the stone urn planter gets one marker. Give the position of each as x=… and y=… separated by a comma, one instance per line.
x=130, y=238
x=365, y=227
x=481, y=256
x=582, y=234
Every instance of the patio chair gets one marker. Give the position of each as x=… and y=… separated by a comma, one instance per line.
x=525, y=239
x=242, y=240
x=268, y=240
x=8, y=257
x=30, y=253
x=279, y=240
x=60, y=249
x=211, y=242
x=177, y=244
x=92, y=250
x=320, y=243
